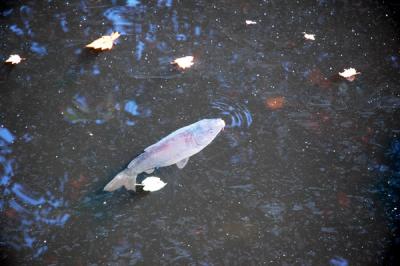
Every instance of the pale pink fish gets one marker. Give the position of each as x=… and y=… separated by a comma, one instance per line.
x=176, y=148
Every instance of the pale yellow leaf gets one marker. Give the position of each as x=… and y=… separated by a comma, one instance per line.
x=104, y=42
x=184, y=62
x=14, y=59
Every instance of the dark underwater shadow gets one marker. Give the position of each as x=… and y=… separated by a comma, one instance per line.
x=5, y=70
x=88, y=56
x=8, y=255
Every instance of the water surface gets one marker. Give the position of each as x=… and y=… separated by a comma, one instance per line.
x=306, y=172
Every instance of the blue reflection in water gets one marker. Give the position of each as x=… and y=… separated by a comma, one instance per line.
x=338, y=261
x=63, y=24
x=394, y=59
x=197, y=30
x=181, y=37
x=25, y=209
x=25, y=10
x=18, y=191
x=7, y=12
x=138, y=28
x=26, y=137
x=115, y=15
x=131, y=107
x=96, y=70
x=163, y=46
x=132, y=3
x=80, y=111
x=81, y=102
x=234, y=114
x=38, y=49
x=6, y=135
x=167, y=3
x=175, y=21
x=14, y=28
x=139, y=50
x=150, y=36
x=322, y=56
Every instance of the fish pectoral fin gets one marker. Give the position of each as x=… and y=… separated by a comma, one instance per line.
x=149, y=171
x=182, y=163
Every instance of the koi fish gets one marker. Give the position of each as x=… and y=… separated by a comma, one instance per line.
x=176, y=148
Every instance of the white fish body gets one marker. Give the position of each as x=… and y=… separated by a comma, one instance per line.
x=176, y=148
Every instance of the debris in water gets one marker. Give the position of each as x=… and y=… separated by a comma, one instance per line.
x=308, y=36
x=14, y=59
x=349, y=74
x=184, y=62
x=104, y=42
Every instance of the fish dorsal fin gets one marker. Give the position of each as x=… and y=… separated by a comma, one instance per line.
x=182, y=163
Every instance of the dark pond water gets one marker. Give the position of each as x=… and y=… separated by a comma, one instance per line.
x=306, y=172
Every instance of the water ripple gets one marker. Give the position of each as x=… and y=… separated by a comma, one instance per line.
x=234, y=114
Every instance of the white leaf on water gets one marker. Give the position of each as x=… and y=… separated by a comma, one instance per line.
x=349, y=72
x=250, y=22
x=184, y=62
x=308, y=36
x=14, y=59
x=153, y=183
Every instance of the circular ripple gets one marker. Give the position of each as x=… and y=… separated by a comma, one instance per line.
x=234, y=114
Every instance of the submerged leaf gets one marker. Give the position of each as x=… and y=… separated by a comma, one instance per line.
x=104, y=42
x=275, y=103
x=308, y=36
x=152, y=183
x=14, y=59
x=349, y=74
x=184, y=62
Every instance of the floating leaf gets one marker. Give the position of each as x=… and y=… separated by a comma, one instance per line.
x=184, y=62
x=275, y=103
x=104, y=42
x=308, y=36
x=251, y=22
x=349, y=74
x=14, y=59
x=152, y=183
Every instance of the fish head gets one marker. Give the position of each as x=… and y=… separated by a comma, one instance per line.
x=206, y=130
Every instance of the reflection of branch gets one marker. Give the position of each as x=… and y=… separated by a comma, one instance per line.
x=141, y=76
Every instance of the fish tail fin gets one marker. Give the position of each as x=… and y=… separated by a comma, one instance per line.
x=124, y=178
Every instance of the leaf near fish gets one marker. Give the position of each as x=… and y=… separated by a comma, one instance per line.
x=104, y=42
x=152, y=183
